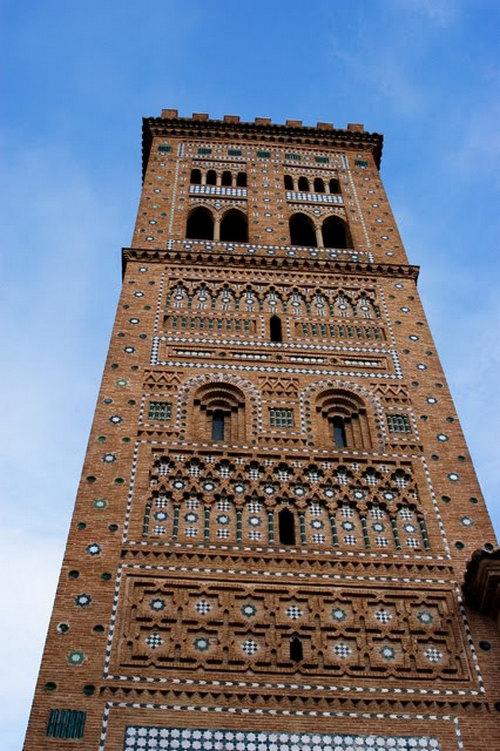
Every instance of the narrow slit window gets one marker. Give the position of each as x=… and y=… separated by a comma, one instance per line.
x=275, y=329
x=339, y=436
x=218, y=425
x=296, y=649
x=286, y=523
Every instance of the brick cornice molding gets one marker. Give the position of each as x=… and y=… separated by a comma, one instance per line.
x=205, y=259
x=271, y=133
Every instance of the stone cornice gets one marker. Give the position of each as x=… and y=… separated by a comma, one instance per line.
x=261, y=131
x=206, y=259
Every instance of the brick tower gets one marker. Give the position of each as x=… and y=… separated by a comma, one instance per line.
x=277, y=506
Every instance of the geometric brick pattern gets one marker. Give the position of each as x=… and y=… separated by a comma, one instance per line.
x=138, y=738
x=218, y=628
x=349, y=504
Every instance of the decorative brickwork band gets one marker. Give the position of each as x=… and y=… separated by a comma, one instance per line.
x=139, y=738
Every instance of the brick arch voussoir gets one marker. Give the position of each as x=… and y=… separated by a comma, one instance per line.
x=188, y=389
x=307, y=397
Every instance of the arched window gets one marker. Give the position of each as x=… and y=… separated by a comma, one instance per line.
x=200, y=224
x=288, y=179
x=227, y=179
x=275, y=329
x=343, y=420
x=296, y=649
x=304, y=184
x=339, y=437
x=234, y=227
x=286, y=527
x=195, y=178
x=334, y=185
x=335, y=233
x=302, y=231
x=241, y=179
x=218, y=425
x=211, y=177
x=218, y=413
x=319, y=185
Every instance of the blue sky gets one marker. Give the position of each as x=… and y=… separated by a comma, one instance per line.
x=78, y=77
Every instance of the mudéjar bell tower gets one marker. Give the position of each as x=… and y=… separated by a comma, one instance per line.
x=279, y=542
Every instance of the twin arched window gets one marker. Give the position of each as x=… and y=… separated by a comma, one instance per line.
x=332, y=234
x=201, y=225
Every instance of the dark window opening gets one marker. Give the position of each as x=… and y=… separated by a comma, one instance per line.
x=218, y=425
x=288, y=179
x=195, y=178
x=296, y=649
x=335, y=234
x=227, y=179
x=302, y=231
x=286, y=524
x=303, y=184
x=200, y=224
x=319, y=185
x=241, y=179
x=211, y=177
x=233, y=227
x=334, y=185
x=275, y=330
x=339, y=436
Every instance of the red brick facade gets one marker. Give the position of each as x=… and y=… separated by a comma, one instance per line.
x=277, y=503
